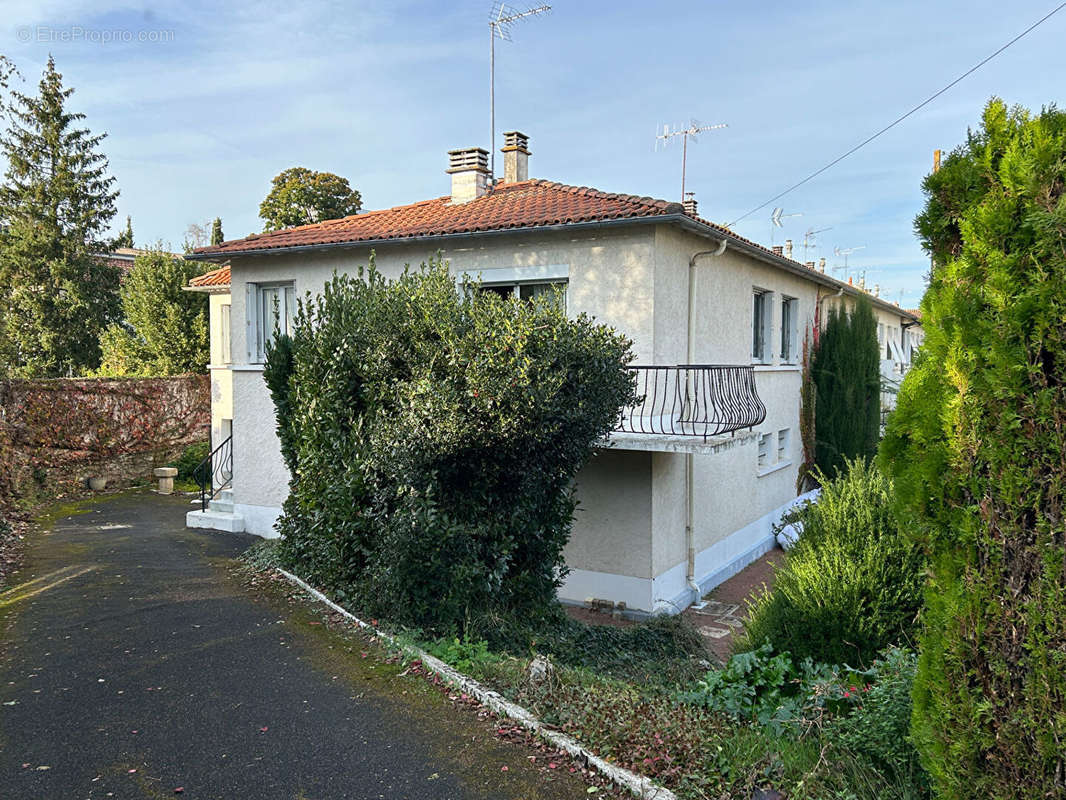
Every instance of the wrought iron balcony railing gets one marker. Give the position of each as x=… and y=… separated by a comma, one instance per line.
x=693, y=400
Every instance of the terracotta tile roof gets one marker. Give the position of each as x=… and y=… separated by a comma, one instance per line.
x=532, y=203
x=216, y=277
x=526, y=204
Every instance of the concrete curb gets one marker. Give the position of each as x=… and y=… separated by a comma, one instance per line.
x=640, y=786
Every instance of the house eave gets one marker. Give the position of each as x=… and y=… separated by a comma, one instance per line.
x=682, y=220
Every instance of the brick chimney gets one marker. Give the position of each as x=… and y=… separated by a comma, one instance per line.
x=469, y=169
x=690, y=204
x=778, y=250
x=515, y=157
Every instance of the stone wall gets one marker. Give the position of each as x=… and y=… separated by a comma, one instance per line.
x=55, y=434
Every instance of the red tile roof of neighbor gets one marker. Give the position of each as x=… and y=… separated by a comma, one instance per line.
x=216, y=277
x=534, y=203
x=526, y=204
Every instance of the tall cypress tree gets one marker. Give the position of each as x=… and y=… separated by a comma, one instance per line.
x=56, y=201
x=847, y=377
x=216, y=231
x=975, y=448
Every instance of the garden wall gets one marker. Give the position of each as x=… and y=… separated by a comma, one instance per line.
x=55, y=434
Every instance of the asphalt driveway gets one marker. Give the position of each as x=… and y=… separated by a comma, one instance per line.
x=133, y=665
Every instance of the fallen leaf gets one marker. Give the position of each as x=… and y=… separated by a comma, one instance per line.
x=179, y=789
x=264, y=729
x=503, y=769
x=42, y=768
x=132, y=771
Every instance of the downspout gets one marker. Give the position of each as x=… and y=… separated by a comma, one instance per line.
x=690, y=536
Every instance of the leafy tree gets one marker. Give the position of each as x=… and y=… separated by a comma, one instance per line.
x=846, y=373
x=55, y=203
x=216, y=231
x=165, y=331
x=300, y=196
x=976, y=447
x=432, y=438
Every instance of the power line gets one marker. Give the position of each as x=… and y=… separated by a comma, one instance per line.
x=897, y=121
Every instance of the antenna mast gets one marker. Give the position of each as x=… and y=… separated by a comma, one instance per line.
x=500, y=21
x=693, y=131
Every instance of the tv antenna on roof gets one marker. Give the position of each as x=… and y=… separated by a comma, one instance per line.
x=847, y=251
x=776, y=216
x=692, y=131
x=808, y=239
x=500, y=21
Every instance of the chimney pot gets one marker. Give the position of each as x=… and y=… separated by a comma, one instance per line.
x=469, y=168
x=778, y=249
x=788, y=248
x=821, y=264
x=515, y=157
x=690, y=204
x=809, y=265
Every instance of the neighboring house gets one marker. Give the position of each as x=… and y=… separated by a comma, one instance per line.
x=123, y=258
x=684, y=494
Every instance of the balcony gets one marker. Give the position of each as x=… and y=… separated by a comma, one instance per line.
x=678, y=404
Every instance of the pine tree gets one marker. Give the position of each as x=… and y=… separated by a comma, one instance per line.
x=56, y=201
x=216, y=231
x=124, y=239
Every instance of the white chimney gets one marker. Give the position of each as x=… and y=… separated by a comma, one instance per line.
x=515, y=157
x=469, y=169
x=690, y=204
x=821, y=264
x=788, y=248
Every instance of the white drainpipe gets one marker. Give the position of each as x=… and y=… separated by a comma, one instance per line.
x=690, y=537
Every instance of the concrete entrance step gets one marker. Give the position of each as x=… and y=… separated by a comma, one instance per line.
x=215, y=520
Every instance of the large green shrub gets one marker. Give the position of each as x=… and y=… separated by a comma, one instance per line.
x=846, y=371
x=852, y=583
x=976, y=451
x=432, y=435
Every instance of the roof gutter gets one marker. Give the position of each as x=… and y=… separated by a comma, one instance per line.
x=683, y=220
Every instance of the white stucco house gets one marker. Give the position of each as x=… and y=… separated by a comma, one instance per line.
x=684, y=494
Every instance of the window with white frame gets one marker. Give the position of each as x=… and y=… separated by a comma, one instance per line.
x=764, y=449
x=225, y=356
x=530, y=290
x=789, y=332
x=271, y=309
x=760, y=326
x=784, y=438
x=880, y=333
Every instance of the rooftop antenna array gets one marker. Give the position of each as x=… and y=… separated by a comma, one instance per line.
x=776, y=216
x=809, y=240
x=501, y=19
x=691, y=132
x=845, y=252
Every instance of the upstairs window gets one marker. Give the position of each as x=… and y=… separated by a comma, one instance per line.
x=764, y=449
x=531, y=290
x=789, y=352
x=760, y=326
x=271, y=309
x=224, y=334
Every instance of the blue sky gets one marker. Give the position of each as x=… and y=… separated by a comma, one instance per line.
x=218, y=100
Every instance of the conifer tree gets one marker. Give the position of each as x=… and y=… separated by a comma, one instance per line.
x=56, y=201
x=975, y=448
x=216, y=232
x=124, y=239
x=846, y=373
x=165, y=328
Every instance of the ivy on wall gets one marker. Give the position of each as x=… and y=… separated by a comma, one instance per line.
x=55, y=431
